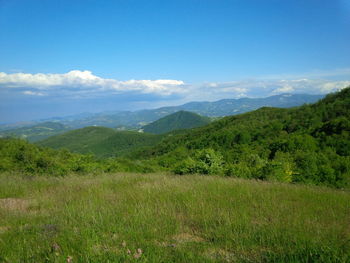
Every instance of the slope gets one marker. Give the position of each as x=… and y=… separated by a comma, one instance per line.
x=101, y=141
x=176, y=121
x=309, y=144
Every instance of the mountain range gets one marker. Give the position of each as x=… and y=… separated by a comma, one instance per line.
x=220, y=108
x=134, y=120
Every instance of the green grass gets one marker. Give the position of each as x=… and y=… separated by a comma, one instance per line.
x=171, y=219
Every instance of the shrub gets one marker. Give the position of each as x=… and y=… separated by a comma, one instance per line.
x=205, y=161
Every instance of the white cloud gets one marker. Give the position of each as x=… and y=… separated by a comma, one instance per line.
x=284, y=89
x=33, y=93
x=264, y=88
x=86, y=82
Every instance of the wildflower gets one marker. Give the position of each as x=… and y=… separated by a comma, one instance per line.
x=138, y=253
x=55, y=248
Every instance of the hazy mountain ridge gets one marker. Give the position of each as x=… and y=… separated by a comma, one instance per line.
x=134, y=120
x=226, y=107
x=36, y=132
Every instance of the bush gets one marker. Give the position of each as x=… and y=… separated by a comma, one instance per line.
x=205, y=161
x=187, y=166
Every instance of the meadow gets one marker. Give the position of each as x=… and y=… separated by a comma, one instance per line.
x=169, y=218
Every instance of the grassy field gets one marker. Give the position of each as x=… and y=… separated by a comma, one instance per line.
x=163, y=218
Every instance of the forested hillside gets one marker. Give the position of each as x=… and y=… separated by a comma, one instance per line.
x=100, y=141
x=176, y=121
x=309, y=144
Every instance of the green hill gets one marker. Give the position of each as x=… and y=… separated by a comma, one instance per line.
x=36, y=132
x=101, y=141
x=309, y=144
x=176, y=121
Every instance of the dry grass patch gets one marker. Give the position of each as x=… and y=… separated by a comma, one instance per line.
x=180, y=239
x=4, y=229
x=220, y=254
x=187, y=237
x=103, y=248
x=16, y=204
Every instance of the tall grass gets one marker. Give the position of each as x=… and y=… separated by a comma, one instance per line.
x=162, y=218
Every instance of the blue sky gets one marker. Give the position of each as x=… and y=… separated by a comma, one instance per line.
x=62, y=57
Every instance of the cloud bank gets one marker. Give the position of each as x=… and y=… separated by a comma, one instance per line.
x=84, y=84
x=264, y=88
x=25, y=97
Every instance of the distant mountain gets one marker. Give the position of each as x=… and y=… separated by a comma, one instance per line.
x=221, y=108
x=36, y=132
x=128, y=120
x=227, y=107
x=176, y=121
x=101, y=141
x=21, y=124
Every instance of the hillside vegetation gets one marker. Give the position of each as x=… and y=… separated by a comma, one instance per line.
x=176, y=121
x=309, y=144
x=160, y=218
x=20, y=157
x=100, y=141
